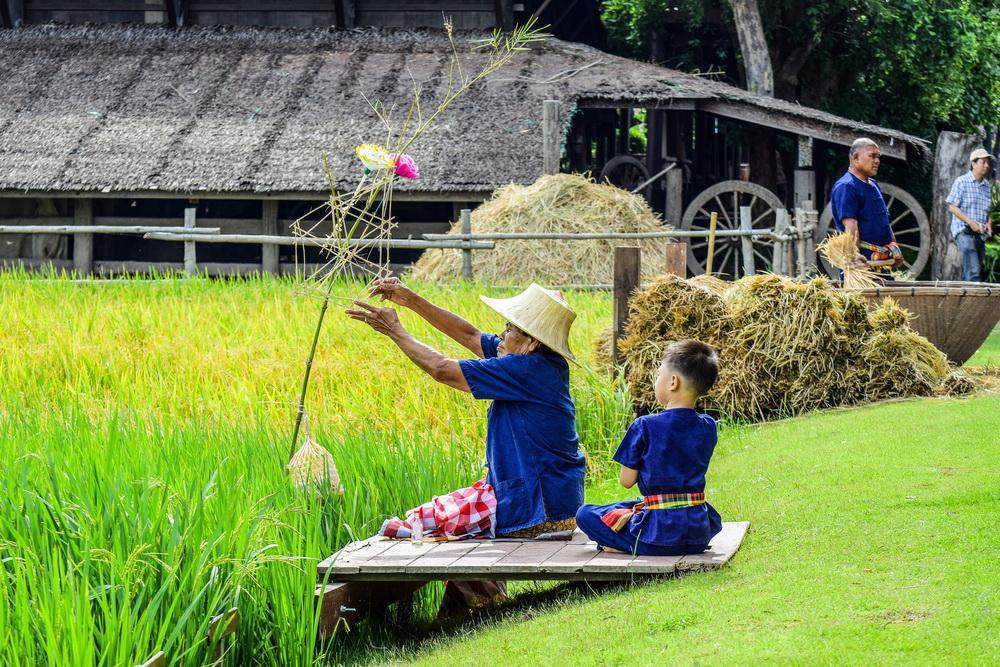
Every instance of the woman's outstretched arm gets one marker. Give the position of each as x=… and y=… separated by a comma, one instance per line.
x=386, y=322
x=445, y=321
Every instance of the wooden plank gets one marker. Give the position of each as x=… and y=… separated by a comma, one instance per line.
x=746, y=243
x=440, y=558
x=719, y=551
x=625, y=565
x=353, y=601
x=484, y=554
x=571, y=559
x=526, y=558
x=395, y=559
x=348, y=559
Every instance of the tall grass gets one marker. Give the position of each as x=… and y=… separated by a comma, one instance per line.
x=144, y=428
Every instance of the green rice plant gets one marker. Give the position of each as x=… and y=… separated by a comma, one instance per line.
x=143, y=426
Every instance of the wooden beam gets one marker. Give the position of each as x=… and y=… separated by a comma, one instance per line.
x=349, y=7
x=463, y=196
x=190, y=252
x=83, y=244
x=5, y=21
x=170, y=10
x=801, y=125
x=673, y=104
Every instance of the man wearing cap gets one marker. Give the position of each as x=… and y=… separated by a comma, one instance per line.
x=859, y=208
x=969, y=205
x=535, y=466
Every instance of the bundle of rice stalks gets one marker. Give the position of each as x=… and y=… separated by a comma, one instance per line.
x=312, y=467
x=555, y=203
x=669, y=309
x=785, y=347
x=841, y=251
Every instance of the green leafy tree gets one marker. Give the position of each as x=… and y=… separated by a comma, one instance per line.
x=916, y=65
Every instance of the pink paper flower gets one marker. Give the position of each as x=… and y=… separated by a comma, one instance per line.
x=405, y=166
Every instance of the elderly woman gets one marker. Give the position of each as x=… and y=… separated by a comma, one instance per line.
x=535, y=467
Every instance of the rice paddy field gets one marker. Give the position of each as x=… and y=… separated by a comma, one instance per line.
x=144, y=430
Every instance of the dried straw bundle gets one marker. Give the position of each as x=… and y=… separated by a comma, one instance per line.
x=785, y=347
x=841, y=250
x=312, y=467
x=554, y=203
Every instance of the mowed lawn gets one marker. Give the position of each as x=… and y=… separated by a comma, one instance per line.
x=873, y=541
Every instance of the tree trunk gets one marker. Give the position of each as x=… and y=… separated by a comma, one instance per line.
x=753, y=47
x=951, y=160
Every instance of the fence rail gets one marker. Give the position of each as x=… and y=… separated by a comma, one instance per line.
x=793, y=247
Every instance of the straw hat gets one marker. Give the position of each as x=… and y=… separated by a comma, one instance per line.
x=542, y=314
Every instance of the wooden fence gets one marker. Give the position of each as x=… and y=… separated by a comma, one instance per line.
x=793, y=250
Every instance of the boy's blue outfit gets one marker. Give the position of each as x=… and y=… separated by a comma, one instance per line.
x=671, y=451
x=532, y=450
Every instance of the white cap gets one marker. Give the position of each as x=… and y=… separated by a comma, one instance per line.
x=979, y=154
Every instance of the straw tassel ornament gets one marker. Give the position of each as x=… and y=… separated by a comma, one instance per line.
x=312, y=466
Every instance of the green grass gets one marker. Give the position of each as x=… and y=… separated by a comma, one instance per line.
x=989, y=352
x=873, y=541
x=144, y=428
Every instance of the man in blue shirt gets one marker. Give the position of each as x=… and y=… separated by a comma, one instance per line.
x=858, y=206
x=969, y=204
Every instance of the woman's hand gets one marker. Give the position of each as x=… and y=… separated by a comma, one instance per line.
x=383, y=320
x=391, y=289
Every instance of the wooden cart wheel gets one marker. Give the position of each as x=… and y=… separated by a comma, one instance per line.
x=625, y=172
x=909, y=224
x=726, y=198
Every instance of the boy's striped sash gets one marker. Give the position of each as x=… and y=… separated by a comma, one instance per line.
x=618, y=518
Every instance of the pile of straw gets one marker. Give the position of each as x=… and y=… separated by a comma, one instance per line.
x=556, y=203
x=785, y=347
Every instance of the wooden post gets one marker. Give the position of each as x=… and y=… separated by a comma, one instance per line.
x=676, y=255
x=16, y=13
x=779, y=264
x=812, y=218
x=674, y=209
x=551, y=137
x=466, y=215
x=746, y=242
x=83, y=244
x=190, y=257
x=800, y=242
x=804, y=188
x=713, y=221
x=627, y=260
x=269, y=251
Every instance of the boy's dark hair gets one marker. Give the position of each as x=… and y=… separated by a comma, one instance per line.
x=695, y=361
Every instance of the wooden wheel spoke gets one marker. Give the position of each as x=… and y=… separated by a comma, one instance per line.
x=908, y=246
x=889, y=203
x=900, y=217
x=725, y=258
x=724, y=212
x=753, y=223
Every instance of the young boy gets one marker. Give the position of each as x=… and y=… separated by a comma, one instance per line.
x=667, y=454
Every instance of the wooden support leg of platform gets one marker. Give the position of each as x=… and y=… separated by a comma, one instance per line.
x=355, y=601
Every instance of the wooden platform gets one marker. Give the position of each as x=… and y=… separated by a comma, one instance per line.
x=378, y=559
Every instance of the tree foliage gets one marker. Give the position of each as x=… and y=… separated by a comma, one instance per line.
x=916, y=65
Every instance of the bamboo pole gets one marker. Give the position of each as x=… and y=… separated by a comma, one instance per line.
x=713, y=221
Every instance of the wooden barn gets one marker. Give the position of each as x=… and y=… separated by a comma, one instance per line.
x=130, y=114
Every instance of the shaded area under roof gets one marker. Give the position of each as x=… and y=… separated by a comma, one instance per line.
x=139, y=109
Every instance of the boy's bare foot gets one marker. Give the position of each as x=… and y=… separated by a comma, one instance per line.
x=614, y=551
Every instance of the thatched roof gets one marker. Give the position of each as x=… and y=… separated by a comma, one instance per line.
x=218, y=110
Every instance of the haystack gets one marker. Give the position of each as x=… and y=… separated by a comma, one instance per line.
x=785, y=347
x=555, y=203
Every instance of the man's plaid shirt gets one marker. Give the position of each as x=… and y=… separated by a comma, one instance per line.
x=972, y=197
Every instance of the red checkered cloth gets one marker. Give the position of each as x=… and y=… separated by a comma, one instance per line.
x=464, y=513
